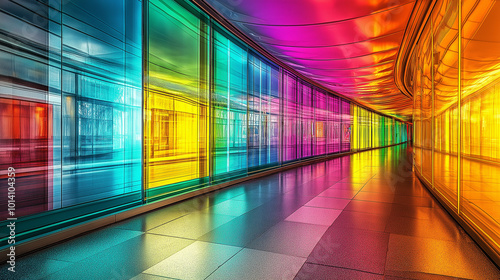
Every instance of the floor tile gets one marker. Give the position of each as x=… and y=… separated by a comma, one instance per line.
x=413, y=189
x=405, y=275
x=196, y=203
x=346, y=186
x=196, y=261
x=192, y=226
x=144, y=276
x=389, y=277
x=310, y=189
x=88, y=245
x=254, y=198
x=338, y=193
x=375, y=197
x=313, y=215
x=412, y=211
x=228, y=193
x=125, y=260
x=251, y=264
x=289, y=238
x=354, y=180
x=361, y=250
x=361, y=220
x=455, y=259
x=379, y=208
x=379, y=185
x=324, y=272
x=30, y=267
x=443, y=227
x=328, y=202
x=234, y=207
x=154, y=219
x=241, y=230
x=415, y=200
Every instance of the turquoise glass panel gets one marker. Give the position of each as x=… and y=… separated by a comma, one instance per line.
x=229, y=101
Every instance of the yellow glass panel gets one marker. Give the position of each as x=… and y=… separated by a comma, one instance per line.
x=355, y=127
x=175, y=102
x=445, y=60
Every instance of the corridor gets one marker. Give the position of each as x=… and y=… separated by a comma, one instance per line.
x=363, y=216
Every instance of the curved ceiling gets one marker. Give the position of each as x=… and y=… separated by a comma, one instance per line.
x=349, y=47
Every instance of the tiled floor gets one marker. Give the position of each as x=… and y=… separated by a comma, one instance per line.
x=363, y=216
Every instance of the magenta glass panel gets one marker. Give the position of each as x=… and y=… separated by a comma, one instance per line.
x=307, y=121
x=274, y=116
x=334, y=130
x=291, y=150
x=320, y=121
x=329, y=124
x=346, y=125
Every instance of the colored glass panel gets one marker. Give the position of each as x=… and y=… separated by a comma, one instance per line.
x=332, y=130
x=355, y=128
x=307, y=120
x=70, y=109
x=291, y=119
x=263, y=114
x=456, y=121
x=176, y=100
x=346, y=126
x=101, y=100
x=320, y=121
x=480, y=116
x=445, y=59
x=335, y=128
x=229, y=101
x=24, y=138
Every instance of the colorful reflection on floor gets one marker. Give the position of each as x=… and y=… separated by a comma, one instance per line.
x=363, y=216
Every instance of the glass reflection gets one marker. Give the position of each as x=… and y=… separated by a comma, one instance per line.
x=456, y=122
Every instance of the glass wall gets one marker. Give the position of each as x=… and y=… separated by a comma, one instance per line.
x=456, y=116
x=70, y=109
x=370, y=130
x=254, y=115
x=92, y=127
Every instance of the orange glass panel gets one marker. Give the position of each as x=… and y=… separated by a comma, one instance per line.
x=480, y=120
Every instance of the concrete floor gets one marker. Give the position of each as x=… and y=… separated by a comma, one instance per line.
x=363, y=216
